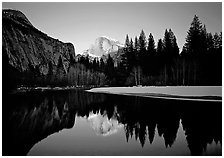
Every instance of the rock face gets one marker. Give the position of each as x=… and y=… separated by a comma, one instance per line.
x=24, y=46
x=103, y=46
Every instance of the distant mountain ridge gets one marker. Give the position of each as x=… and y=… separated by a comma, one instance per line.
x=103, y=45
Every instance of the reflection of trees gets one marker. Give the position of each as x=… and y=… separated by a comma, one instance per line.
x=202, y=126
x=84, y=102
x=141, y=119
x=168, y=124
x=34, y=116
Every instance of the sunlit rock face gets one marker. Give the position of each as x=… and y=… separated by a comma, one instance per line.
x=24, y=45
x=103, y=46
x=104, y=126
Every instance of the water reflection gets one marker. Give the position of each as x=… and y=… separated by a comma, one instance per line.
x=104, y=126
x=29, y=118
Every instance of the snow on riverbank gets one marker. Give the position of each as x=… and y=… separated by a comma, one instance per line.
x=184, y=91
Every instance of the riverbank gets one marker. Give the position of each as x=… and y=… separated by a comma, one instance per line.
x=201, y=93
x=48, y=88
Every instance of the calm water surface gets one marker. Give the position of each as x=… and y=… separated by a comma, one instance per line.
x=75, y=122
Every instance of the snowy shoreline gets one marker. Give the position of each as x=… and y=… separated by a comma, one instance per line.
x=200, y=93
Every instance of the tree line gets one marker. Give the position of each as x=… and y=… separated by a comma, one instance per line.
x=143, y=62
x=199, y=63
x=78, y=74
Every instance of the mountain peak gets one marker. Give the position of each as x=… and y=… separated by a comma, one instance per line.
x=111, y=39
x=104, y=45
x=16, y=16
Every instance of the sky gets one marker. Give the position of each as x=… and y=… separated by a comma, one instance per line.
x=82, y=22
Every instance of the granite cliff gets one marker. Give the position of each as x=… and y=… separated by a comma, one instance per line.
x=103, y=46
x=25, y=48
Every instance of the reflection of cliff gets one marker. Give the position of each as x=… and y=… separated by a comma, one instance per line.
x=29, y=124
x=31, y=117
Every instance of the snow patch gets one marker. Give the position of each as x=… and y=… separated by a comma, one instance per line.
x=164, y=92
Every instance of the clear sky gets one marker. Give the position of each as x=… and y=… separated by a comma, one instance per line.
x=81, y=23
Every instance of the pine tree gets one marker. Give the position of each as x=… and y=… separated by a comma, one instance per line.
x=136, y=50
x=174, y=63
x=195, y=48
x=159, y=48
x=102, y=65
x=167, y=43
x=142, y=51
x=174, y=50
x=127, y=43
x=94, y=65
x=131, y=45
x=109, y=70
x=142, y=42
x=203, y=41
x=136, y=44
x=175, y=47
x=170, y=57
x=82, y=60
x=209, y=43
x=159, y=57
x=167, y=55
x=125, y=55
x=151, y=44
x=87, y=63
x=131, y=56
x=110, y=62
x=150, y=56
x=193, y=38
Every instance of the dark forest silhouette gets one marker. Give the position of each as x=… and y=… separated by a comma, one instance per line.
x=199, y=63
x=33, y=116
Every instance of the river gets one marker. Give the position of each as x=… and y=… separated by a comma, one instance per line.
x=76, y=122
